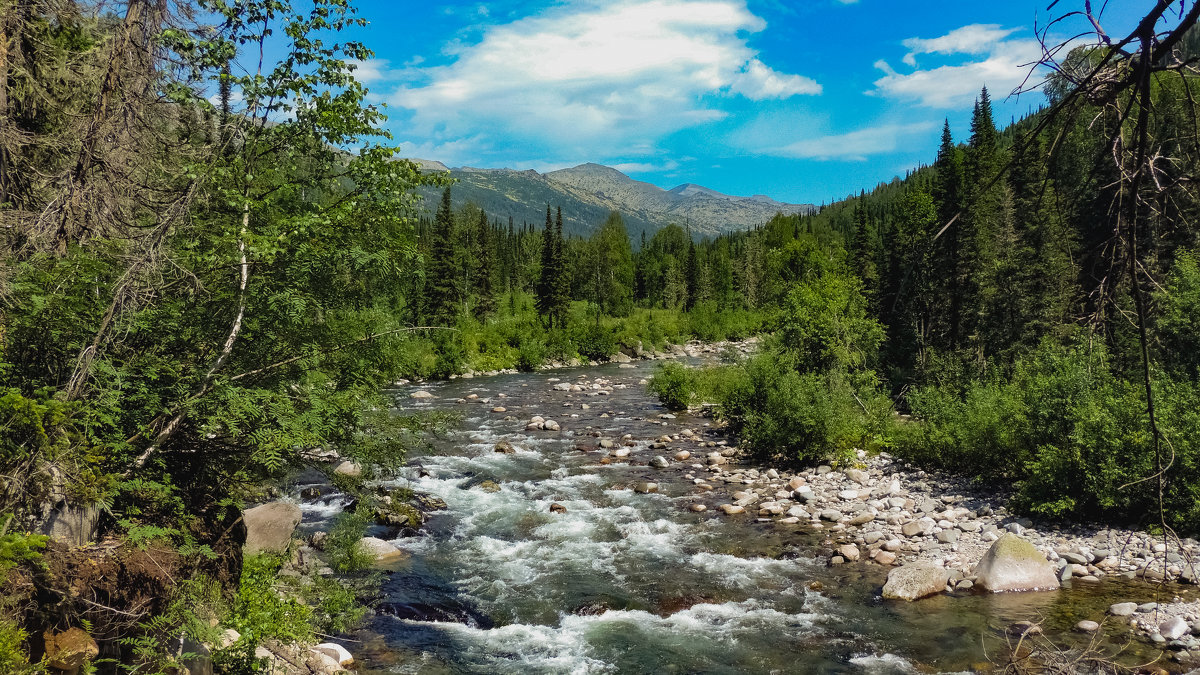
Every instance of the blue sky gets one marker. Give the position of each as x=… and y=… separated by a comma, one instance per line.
x=804, y=101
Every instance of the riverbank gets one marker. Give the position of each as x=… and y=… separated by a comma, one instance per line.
x=888, y=512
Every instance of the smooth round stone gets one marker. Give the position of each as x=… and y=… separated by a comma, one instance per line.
x=1086, y=626
x=698, y=508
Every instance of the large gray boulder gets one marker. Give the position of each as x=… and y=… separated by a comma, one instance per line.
x=269, y=527
x=1013, y=564
x=913, y=582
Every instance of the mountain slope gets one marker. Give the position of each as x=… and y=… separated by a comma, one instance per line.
x=588, y=192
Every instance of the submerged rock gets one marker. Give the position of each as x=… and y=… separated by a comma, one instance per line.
x=1013, y=564
x=913, y=582
x=378, y=548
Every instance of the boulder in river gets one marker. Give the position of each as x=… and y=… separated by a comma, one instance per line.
x=659, y=462
x=913, y=582
x=645, y=488
x=378, y=548
x=1174, y=628
x=269, y=527
x=557, y=508
x=1123, y=609
x=1013, y=564
x=335, y=651
x=505, y=447
x=421, y=395
x=551, y=425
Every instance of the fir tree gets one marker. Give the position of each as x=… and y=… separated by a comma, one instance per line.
x=547, y=282
x=486, y=302
x=441, y=292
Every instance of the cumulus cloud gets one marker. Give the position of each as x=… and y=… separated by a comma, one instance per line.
x=856, y=145
x=592, y=78
x=1003, y=67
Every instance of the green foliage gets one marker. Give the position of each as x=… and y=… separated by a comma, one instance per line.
x=824, y=324
x=779, y=412
x=13, y=658
x=593, y=342
x=19, y=549
x=262, y=612
x=341, y=545
x=1067, y=432
x=1179, y=321
x=674, y=385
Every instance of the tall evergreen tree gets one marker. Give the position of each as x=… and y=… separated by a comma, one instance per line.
x=561, y=282
x=692, y=276
x=441, y=291
x=486, y=301
x=546, y=286
x=947, y=256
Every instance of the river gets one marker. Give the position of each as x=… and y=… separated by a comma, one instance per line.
x=632, y=582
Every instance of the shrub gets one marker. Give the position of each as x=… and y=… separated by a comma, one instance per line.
x=593, y=342
x=674, y=384
x=1071, y=437
x=781, y=413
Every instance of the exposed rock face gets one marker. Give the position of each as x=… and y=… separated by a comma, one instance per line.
x=269, y=527
x=1013, y=564
x=913, y=582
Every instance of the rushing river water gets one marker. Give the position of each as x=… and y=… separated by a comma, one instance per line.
x=626, y=582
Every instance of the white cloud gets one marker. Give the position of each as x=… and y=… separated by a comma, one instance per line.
x=593, y=78
x=1004, y=67
x=370, y=71
x=646, y=167
x=856, y=145
x=973, y=39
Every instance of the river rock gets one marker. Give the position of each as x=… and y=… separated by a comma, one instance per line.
x=698, y=508
x=857, y=475
x=421, y=395
x=645, y=488
x=885, y=558
x=562, y=386
x=70, y=649
x=796, y=483
x=348, y=468
x=557, y=508
x=1013, y=564
x=832, y=515
x=849, y=552
x=1086, y=626
x=505, y=447
x=551, y=425
x=499, y=409
x=659, y=462
x=1123, y=609
x=913, y=582
x=337, y=652
x=378, y=548
x=732, y=509
x=682, y=456
x=1173, y=628
x=947, y=536
x=269, y=527
x=716, y=459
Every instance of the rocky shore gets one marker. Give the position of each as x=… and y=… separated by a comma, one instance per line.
x=893, y=514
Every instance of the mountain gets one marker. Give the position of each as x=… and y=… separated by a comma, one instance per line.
x=588, y=192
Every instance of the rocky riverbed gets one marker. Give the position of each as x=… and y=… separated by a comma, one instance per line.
x=589, y=530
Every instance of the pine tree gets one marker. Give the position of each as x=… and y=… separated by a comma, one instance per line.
x=692, y=276
x=547, y=282
x=441, y=292
x=561, y=282
x=947, y=257
x=486, y=302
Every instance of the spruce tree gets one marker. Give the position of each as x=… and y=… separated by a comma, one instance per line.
x=546, y=281
x=441, y=293
x=486, y=302
x=561, y=288
x=947, y=256
x=692, y=276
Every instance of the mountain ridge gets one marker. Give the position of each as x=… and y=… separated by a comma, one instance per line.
x=589, y=191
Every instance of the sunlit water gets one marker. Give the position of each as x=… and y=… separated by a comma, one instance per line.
x=624, y=582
